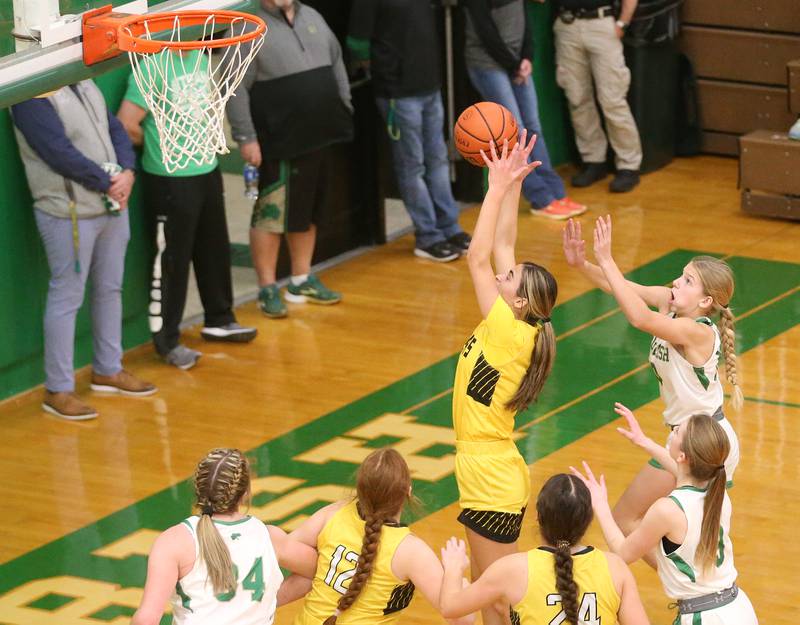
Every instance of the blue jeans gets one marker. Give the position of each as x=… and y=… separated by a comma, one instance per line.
x=103, y=241
x=415, y=126
x=544, y=185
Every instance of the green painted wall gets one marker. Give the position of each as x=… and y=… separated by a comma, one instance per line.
x=553, y=111
x=24, y=273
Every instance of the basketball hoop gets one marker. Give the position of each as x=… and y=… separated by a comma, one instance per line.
x=185, y=85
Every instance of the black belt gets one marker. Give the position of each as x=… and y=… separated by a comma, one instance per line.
x=570, y=15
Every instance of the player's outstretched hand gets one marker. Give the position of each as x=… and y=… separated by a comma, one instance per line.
x=597, y=488
x=508, y=167
x=602, y=240
x=634, y=432
x=574, y=245
x=454, y=555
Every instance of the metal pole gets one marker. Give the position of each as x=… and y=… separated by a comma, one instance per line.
x=448, y=48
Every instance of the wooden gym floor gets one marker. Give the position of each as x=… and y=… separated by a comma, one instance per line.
x=315, y=392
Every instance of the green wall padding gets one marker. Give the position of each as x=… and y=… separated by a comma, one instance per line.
x=553, y=112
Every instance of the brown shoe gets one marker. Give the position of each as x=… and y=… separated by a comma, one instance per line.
x=122, y=382
x=67, y=406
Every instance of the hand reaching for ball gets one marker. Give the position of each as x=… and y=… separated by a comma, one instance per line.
x=509, y=166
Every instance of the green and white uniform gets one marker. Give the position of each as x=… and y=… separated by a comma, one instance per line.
x=682, y=575
x=688, y=390
x=257, y=573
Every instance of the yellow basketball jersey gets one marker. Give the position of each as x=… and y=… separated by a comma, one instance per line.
x=598, y=600
x=490, y=368
x=339, y=545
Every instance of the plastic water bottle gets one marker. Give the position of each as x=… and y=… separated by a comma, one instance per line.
x=251, y=182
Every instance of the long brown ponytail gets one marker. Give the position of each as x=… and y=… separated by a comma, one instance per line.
x=221, y=481
x=717, y=279
x=706, y=446
x=540, y=289
x=383, y=483
x=564, y=510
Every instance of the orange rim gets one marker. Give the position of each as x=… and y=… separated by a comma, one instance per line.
x=131, y=31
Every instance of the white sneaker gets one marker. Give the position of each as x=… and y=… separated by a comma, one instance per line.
x=794, y=131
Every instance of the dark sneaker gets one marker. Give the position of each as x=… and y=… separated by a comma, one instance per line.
x=441, y=252
x=230, y=333
x=67, y=406
x=124, y=383
x=270, y=302
x=624, y=181
x=182, y=357
x=460, y=242
x=312, y=290
x=589, y=174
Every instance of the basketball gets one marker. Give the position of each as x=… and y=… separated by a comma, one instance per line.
x=478, y=125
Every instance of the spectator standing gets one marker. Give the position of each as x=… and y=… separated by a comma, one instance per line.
x=398, y=39
x=589, y=61
x=499, y=53
x=188, y=207
x=292, y=105
x=68, y=141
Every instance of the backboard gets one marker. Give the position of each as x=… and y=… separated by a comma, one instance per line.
x=47, y=51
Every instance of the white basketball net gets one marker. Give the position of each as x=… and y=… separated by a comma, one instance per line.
x=186, y=91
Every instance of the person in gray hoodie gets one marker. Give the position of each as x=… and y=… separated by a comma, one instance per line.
x=292, y=105
x=79, y=164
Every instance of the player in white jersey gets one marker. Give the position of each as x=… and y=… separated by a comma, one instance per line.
x=684, y=352
x=688, y=531
x=220, y=567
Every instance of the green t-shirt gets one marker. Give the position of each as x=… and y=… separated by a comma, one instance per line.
x=179, y=85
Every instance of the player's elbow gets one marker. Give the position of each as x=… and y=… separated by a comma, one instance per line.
x=145, y=617
x=449, y=610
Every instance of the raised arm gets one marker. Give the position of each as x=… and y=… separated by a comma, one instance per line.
x=635, y=435
x=658, y=521
x=503, y=173
x=678, y=331
x=505, y=237
x=575, y=253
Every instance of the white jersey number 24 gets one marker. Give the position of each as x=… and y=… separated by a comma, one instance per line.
x=587, y=612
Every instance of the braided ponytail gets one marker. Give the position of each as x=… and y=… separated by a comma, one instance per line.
x=369, y=551
x=565, y=584
x=383, y=485
x=728, y=340
x=221, y=481
x=564, y=509
x=716, y=277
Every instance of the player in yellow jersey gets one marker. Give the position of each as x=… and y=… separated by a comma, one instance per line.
x=561, y=581
x=501, y=369
x=369, y=564
x=688, y=531
x=220, y=567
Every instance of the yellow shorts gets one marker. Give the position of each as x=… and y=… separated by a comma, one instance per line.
x=492, y=476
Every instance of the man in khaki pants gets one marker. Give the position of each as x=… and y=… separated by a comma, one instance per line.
x=589, y=53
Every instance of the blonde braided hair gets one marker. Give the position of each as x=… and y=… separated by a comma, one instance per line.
x=717, y=279
x=221, y=482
